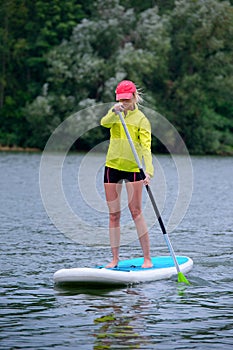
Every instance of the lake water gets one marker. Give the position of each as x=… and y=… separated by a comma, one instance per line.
x=157, y=315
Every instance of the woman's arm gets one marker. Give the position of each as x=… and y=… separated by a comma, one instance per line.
x=145, y=140
x=109, y=119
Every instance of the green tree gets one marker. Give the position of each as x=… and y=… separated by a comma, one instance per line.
x=140, y=6
x=61, y=56
x=28, y=30
x=102, y=51
x=13, y=46
x=200, y=89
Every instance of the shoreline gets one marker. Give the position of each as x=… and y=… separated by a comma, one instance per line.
x=38, y=150
x=18, y=149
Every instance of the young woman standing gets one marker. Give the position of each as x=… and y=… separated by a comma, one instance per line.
x=121, y=166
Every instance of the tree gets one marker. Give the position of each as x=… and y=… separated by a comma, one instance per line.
x=13, y=45
x=61, y=56
x=28, y=30
x=140, y=6
x=201, y=68
x=114, y=45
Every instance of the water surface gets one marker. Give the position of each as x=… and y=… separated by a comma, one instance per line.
x=157, y=315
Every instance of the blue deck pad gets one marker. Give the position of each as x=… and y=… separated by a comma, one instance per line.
x=159, y=262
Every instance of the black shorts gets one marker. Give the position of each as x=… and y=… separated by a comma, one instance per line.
x=117, y=176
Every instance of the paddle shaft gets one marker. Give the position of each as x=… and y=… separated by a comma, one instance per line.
x=149, y=192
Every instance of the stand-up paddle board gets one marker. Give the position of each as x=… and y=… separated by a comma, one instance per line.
x=125, y=273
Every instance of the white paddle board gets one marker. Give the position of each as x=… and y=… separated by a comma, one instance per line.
x=127, y=272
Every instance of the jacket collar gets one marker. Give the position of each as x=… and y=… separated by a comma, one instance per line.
x=129, y=113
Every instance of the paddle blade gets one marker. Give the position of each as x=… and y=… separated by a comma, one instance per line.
x=182, y=278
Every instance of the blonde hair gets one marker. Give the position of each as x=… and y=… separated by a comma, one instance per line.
x=138, y=96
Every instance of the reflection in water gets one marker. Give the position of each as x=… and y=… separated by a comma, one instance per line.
x=121, y=330
x=114, y=327
x=116, y=330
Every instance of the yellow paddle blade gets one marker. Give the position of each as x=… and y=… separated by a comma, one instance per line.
x=182, y=278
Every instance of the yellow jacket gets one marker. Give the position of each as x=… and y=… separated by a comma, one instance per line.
x=120, y=155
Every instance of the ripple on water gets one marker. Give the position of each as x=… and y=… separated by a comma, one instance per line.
x=159, y=315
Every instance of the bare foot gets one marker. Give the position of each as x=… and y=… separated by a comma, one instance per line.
x=112, y=264
x=147, y=264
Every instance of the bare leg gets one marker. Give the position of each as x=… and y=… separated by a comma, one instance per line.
x=113, y=196
x=134, y=191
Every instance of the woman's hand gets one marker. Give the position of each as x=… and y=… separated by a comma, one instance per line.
x=146, y=181
x=118, y=107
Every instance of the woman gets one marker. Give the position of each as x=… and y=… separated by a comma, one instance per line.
x=121, y=165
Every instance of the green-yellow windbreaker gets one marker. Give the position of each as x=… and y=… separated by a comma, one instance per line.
x=120, y=155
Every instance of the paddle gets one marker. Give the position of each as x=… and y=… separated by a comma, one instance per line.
x=181, y=277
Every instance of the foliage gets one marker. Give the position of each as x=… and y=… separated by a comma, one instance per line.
x=201, y=69
x=28, y=30
x=63, y=56
x=87, y=68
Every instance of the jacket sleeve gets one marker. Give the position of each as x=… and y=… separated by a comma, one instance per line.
x=109, y=119
x=145, y=141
